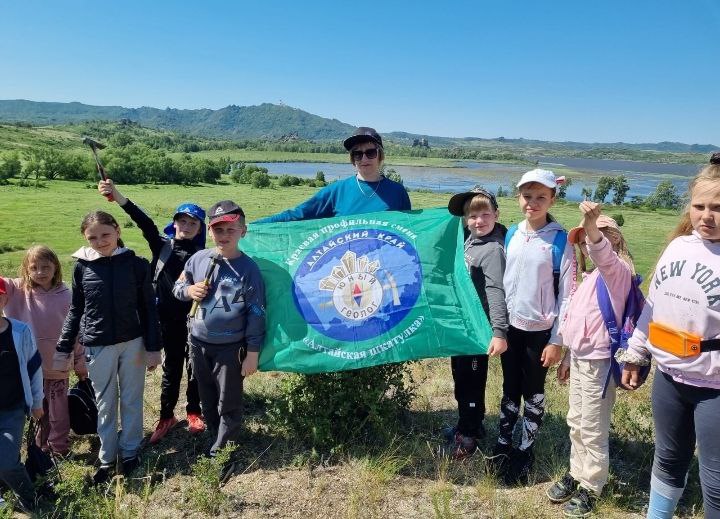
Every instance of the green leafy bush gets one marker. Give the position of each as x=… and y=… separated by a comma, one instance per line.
x=332, y=410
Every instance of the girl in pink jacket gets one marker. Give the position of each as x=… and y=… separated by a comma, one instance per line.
x=41, y=299
x=587, y=361
x=680, y=328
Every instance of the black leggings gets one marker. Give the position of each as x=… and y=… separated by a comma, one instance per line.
x=470, y=375
x=685, y=414
x=523, y=377
x=175, y=344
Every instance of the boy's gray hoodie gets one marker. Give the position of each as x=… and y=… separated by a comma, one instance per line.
x=485, y=261
x=528, y=280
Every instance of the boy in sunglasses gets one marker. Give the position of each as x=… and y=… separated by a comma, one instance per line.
x=367, y=191
x=485, y=261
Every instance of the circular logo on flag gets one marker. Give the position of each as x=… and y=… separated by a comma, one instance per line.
x=358, y=284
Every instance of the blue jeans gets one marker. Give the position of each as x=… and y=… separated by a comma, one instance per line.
x=118, y=377
x=12, y=471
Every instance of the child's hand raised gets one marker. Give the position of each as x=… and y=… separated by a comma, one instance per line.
x=591, y=212
x=107, y=187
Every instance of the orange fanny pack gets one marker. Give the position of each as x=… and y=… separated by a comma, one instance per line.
x=678, y=342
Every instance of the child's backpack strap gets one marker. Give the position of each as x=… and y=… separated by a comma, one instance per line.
x=509, y=234
x=619, y=334
x=558, y=249
x=606, y=309
x=163, y=257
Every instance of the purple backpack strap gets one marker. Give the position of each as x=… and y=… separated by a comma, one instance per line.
x=606, y=309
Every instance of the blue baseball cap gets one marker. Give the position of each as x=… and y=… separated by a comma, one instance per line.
x=195, y=211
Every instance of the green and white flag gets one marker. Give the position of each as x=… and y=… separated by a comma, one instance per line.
x=356, y=291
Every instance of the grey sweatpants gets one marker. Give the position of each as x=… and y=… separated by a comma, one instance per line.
x=216, y=368
x=117, y=372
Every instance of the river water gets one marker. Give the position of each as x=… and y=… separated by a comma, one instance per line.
x=643, y=177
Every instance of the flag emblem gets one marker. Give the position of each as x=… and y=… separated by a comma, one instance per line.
x=358, y=285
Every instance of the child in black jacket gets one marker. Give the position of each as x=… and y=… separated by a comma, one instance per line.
x=113, y=314
x=182, y=238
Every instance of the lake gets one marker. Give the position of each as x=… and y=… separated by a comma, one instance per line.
x=643, y=177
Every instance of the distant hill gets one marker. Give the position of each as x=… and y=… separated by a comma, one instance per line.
x=545, y=146
x=266, y=121
x=270, y=121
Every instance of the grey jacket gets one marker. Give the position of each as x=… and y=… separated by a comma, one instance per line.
x=234, y=309
x=485, y=261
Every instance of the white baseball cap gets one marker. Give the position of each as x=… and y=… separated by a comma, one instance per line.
x=541, y=176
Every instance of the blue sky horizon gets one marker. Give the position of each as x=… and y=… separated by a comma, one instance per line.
x=561, y=71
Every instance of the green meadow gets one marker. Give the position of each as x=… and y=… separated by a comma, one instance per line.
x=410, y=476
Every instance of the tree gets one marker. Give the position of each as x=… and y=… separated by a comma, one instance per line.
x=604, y=185
x=586, y=192
x=664, y=197
x=260, y=178
x=10, y=167
x=562, y=190
x=621, y=187
x=393, y=175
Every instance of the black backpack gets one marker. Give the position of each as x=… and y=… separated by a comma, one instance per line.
x=83, y=408
x=39, y=464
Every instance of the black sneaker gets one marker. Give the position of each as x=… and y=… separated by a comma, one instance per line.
x=102, y=474
x=563, y=489
x=499, y=462
x=582, y=504
x=520, y=468
x=128, y=465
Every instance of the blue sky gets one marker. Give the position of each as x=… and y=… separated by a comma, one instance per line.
x=634, y=71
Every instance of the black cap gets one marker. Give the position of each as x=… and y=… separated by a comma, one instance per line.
x=363, y=134
x=225, y=211
x=456, y=205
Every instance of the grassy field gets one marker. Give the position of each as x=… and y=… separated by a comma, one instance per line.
x=408, y=477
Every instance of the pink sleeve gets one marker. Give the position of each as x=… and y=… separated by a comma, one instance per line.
x=615, y=272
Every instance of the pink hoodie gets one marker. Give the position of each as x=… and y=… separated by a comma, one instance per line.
x=45, y=313
x=684, y=294
x=583, y=329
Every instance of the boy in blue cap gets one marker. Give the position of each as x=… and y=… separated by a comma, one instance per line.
x=182, y=238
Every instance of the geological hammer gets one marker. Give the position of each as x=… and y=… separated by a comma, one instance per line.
x=94, y=146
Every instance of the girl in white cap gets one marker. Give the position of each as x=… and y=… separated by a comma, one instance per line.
x=538, y=279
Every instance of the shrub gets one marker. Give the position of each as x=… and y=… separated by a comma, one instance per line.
x=260, y=179
x=332, y=410
x=206, y=495
x=393, y=175
x=619, y=219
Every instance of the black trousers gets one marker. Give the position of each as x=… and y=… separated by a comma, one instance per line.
x=218, y=371
x=523, y=377
x=470, y=375
x=175, y=345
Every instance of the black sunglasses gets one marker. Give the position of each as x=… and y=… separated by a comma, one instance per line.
x=358, y=154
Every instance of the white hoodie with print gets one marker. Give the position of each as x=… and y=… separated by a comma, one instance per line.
x=528, y=280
